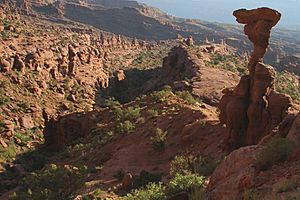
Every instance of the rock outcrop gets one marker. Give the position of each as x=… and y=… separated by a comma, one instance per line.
x=60, y=131
x=294, y=133
x=234, y=175
x=254, y=108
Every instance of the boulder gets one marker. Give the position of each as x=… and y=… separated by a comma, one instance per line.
x=26, y=122
x=127, y=181
x=234, y=175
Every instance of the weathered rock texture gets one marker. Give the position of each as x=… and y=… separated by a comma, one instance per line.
x=62, y=130
x=258, y=25
x=234, y=175
x=253, y=108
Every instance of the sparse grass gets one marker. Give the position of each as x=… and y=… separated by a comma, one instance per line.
x=205, y=166
x=285, y=186
x=277, y=150
x=125, y=127
x=24, y=138
x=186, y=182
x=53, y=182
x=153, y=191
x=159, y=139
x=288, y=83
x=181, y=165
x=187, y=97
x=112, y=103
x=144, y=178
x=162, y=95
x=8, y=154
x=152, y=113
x=251, y=194
x=228, y=62
x=130, y=113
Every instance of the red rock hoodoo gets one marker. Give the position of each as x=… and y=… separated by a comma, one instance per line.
x=252, y=109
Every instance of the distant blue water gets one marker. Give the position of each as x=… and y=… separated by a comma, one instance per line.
x=221, y=10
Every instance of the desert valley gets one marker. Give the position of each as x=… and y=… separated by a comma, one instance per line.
x=116, y=100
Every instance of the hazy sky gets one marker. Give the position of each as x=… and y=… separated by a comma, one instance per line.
x=221, y=10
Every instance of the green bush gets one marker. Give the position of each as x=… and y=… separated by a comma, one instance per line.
x=153, y=191
x=131, y=114
x=52, y=183
x=4, y=100
x=287, y=83
x=277, y=150
x=144, y=178
x=24, y=138
x=285, y=186
x=187, y=97
x=251, y=194
x=152, y=113
x=162, y=95
x=180, y=165
x=186, y=182
x=8, y=154
x=205, y=166
x=112, y=103
x=119, y=174
x=125, y=127
x=159, y=139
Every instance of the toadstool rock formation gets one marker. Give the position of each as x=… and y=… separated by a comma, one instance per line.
x=254, y=108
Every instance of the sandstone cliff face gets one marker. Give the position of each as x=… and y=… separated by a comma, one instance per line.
x=253, y=108
x=60, y=131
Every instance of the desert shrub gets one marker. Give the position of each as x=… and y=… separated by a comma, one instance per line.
x=152, y=113
x=153, y=191
x=33, y=160
x=288, y=83
x=285, y=186
x=4, y=100
x=53, y=182
x=24, y=138
x=96, y=194
x=112, y=103
x=140, y=120
x=180, y=165
x=130, y=113
x=125, y=127
x=119, y=174
x=144, y=178
x=162, y=95
x=205, y=165
x=251, y=194
x=231, y=63
x=187, y=97
x=159, y=139
x=277, y=150
x=8, y=154
x=186, y=182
